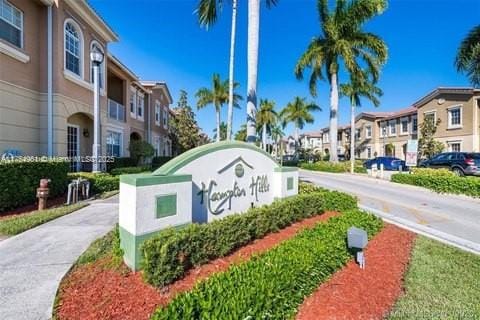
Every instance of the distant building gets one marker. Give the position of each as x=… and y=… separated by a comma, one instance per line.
x=387, y=133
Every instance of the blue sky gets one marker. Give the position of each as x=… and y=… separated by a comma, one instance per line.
x=161, y=40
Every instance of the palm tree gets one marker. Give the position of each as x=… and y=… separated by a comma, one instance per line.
x=223, y=132
x=207, y=15
x=252, y=61
x=277, y=134
x=468, y=56
x=241, y=134
x=342, y=40
x=266, y=118
x=217, y=96
x=355, y=90
x=298, y=112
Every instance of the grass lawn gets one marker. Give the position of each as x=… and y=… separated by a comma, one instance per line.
x=22, y=222
x=442, y=282
x=108, y=245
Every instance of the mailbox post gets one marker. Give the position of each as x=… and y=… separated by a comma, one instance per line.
x=357, y=239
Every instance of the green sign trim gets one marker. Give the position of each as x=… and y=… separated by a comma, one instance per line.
x=182, y=160
x=285, y=169
x=142, y=179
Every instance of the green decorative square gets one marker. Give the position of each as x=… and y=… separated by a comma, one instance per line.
x=290, y=183
x=166, y=205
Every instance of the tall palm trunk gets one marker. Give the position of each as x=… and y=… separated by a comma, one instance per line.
x=218, y=124
x=352, y=139
x=230, y=73
x=333, y=118
x=264, y=136
x=252, y=57
x=296, y=137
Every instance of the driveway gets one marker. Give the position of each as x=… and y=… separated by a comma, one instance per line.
x=33, y=263
x=448, y=218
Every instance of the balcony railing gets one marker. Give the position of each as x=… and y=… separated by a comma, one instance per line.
x=116, y=111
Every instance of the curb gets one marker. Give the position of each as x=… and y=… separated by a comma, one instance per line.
x=465, y=245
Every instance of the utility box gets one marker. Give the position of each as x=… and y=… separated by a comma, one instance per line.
x=357, y=238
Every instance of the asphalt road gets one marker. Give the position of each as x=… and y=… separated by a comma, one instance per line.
x=453, y=219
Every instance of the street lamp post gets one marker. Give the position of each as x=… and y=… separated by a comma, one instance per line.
x=96, y=56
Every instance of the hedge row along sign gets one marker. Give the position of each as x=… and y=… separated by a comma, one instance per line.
x=201, y=185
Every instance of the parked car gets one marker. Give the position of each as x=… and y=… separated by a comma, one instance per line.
x=461, y=163
x=389, y=163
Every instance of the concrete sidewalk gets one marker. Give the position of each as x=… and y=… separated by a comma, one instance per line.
x=33, y=263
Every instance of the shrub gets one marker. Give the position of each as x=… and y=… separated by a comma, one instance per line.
x=159, y=161
x=168, y=255
x=272, y=285
x=121, y=162
x=129, y=170
x=441, y=181
x=139, y=150
x=99, y=182
x=19, y=181
x=340, y=167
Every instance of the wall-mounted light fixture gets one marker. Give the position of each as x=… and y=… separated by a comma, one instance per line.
x=86, y=133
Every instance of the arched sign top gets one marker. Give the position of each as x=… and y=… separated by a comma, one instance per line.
x=172, y=166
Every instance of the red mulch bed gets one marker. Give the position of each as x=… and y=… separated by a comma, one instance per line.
x=353, y=293
x=51, y=202
x=96, y=292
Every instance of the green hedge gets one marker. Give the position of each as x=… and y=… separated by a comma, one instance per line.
x=159, y=161
x=129, y=170
x=441, y=181
x=99, y=182
x=121, y=162
x=340, y=167
x=19, y=181
x=167, y=256
x=272, y=285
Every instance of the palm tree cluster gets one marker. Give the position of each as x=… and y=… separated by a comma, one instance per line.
x=207, y=12
x=343, y=46
x=217, y=96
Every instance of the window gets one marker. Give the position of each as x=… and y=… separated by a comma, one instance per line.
x=392, y=128
x=326, y=137
x=404, y=126
x=368, y=131
x=339, y=136
x=165, y=118
x=96, y=46
x=11, y=24
x=431, y=116
x=73, y=48
x=157, y=145
x=157, y=113
x=383, y=129
x=116, y=111
x=369, y=152
x=114, y=143
x=454, y=146
x=358, y=134
x=455, y=117
x=414, y=124
x=140, y=104
x=133, y=100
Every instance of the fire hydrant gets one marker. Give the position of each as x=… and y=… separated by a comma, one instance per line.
x=42, y=194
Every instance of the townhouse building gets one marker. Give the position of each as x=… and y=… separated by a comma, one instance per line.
x=458, y=110
x=46, y=85
x=387, y=133
x=311, y=141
